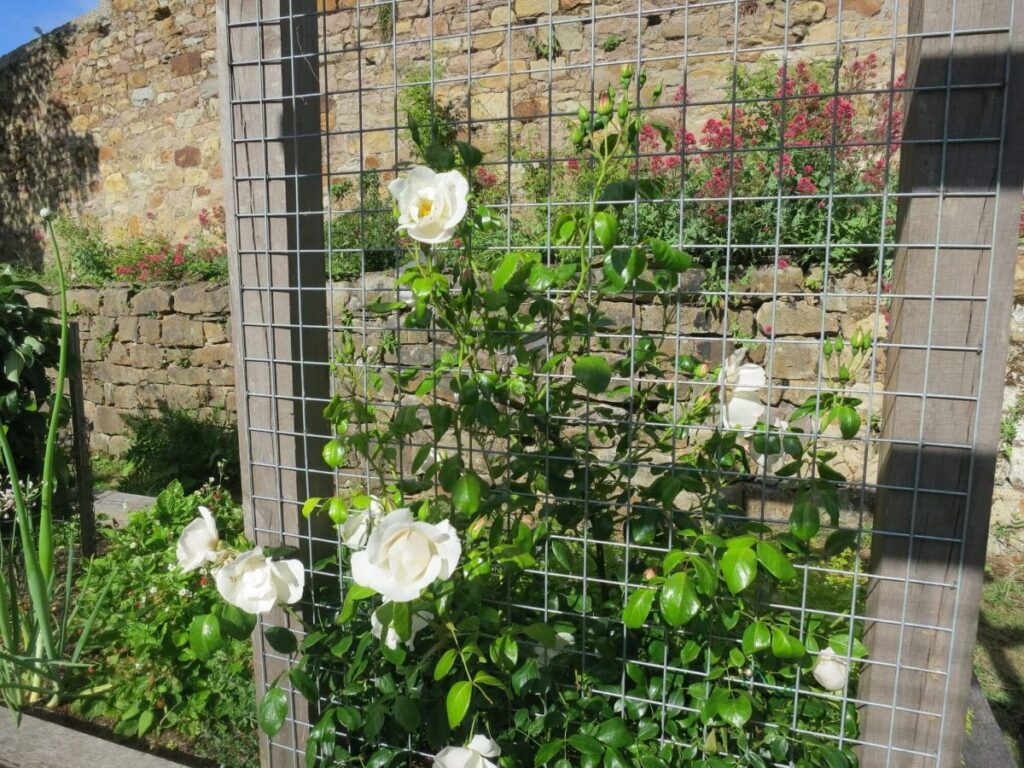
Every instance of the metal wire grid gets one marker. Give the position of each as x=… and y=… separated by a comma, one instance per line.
x=360, y=45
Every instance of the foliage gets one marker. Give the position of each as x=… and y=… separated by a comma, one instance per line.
x=363, y=239
x=29, y=345
x=146, y=258
x=600, y=615
x=38, y=622
x=142, y=670
x=174, y=445
x=794, y=163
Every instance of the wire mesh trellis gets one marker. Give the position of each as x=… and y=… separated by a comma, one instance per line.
x=836, y=170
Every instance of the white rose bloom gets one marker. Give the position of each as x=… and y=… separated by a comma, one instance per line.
x=418, y=621
x=198, y=542
x=772, y=462
x=404, y=556
x=831, y=670
x=563, y=640
x=739, y=393
x=473, y=755
x=356, y=529
x=430, y=205
x=256, y=584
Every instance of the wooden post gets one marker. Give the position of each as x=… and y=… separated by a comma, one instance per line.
x=270, y=107
x=945, y=365
x=80, y=443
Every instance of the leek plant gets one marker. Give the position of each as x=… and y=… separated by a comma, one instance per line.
x=39, y=654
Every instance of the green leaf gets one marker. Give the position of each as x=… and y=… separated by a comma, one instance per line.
x=444, y=664
x=407, y=714
x=272, y=711
x=304, y=684
x=471, y=156
x=457, y=703
x=622, y=266
x=146, y=720
x=756, y=637
x=679, y=600
x=614, y=733
x=839, y=541
x=774, y=561
x=593, y=372
x=785, y=646
x=548, y=751
x=204, y=636
x=849, y=421
x=506, y=269
x=638, y=607
x=588, y=745
x=467, y=493
x=736, y=710
x=805, y=519
x=526, y=673
x=739, y=567
x=334, y=453
x=606, y=229
x=234, y=622
x=669, y=257
x=281, y=640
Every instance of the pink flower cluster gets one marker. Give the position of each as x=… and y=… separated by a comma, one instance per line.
x=166, y=261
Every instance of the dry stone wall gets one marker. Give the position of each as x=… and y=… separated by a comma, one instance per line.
x=143, y=348
x=113, y=116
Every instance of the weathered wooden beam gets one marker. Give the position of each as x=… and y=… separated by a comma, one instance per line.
x=270, y=106
x=944, y=377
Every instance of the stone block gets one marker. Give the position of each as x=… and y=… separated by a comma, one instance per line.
x=211, y=356
x=185, y=63
x=143, y=96
x=149, y=330
x=108, y=420
x=215, y=333
x=151, y=301
x=127, y=329
x=180, y=331
x=783, y=318
x=114, y=302
x=187, y=157
x=200, y=299
x=83, y=301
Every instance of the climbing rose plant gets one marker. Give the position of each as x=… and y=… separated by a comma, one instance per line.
x=554, y=568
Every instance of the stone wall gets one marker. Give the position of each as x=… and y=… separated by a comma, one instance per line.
x=142, y=348
x=113, y=116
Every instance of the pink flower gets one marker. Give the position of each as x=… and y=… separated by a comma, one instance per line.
x=783, y=262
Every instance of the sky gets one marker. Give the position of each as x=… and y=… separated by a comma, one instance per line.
x=20, y=17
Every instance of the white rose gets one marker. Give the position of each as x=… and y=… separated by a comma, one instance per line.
x=739, y=393
x=256, y=584
x=356, y=528
x=430, y=205
x=473, y=755
x=831, y=670
x=404, y=556
x=563, y=640
x=419, y=620
x=198, y=542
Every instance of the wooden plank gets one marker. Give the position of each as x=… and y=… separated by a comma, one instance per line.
x=931, y=518
x=80, y=443
x=270, y=111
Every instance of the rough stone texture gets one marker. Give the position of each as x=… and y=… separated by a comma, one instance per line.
x=136, y=95
x=114, y=116
x=139, y=352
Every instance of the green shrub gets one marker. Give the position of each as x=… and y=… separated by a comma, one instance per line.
x=173, y=445
x=143, y=674
x=29, y=345
x=151, y=257
x=364, y=239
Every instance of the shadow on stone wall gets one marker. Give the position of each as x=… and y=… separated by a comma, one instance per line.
x=43, y=161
